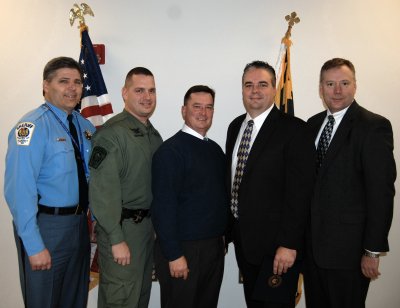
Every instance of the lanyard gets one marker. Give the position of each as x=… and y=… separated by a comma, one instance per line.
x=80, y=146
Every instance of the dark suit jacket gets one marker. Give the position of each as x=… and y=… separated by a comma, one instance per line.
x=352, y=205
x=275, y=191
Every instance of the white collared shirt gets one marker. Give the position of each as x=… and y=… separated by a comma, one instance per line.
x=191, y=131
x=338, y=116
x=258, y=122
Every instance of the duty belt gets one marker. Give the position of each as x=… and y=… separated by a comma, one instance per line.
x=71, y=210
x=137, y=215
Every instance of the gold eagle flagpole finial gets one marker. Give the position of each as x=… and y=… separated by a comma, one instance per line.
x=78, y=13
x=291, y=19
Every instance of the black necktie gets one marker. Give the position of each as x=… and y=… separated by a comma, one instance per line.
x=242, y=155
x=324, y=140
x=83, y=185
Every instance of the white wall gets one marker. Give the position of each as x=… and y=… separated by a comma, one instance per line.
x=190, y=42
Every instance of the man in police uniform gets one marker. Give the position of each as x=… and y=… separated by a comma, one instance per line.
x=46, y=191
x=120, y=195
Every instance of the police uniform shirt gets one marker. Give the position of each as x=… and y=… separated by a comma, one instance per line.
x=41, y=168
x=120, y=168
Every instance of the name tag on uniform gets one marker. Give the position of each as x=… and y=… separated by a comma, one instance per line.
x=61, y=139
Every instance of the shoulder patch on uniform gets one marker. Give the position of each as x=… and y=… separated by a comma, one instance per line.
x=98, y=155
x=24, y=133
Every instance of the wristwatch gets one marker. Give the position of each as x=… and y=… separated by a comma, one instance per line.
x=371, y=254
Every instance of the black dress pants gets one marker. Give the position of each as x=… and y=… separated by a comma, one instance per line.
x=250, y=274
x=205, y=260
x=333, y=288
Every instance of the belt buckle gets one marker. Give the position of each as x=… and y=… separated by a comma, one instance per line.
x=137, y=218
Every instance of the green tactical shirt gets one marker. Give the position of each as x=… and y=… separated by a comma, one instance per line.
x=120, y=170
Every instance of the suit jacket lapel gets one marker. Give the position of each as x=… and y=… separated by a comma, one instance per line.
x=340, y=136
x=316, y=124
x=262, y=138
x=231, y=139
x=230, y=143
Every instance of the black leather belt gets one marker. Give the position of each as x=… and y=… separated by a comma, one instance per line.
x=137, y=215
x=71, y=210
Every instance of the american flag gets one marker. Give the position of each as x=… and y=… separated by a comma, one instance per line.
x=95, y=104
x=96, y=107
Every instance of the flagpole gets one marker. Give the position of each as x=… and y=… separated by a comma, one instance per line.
x=286, y=42
x=95, y=103
x=284, y=94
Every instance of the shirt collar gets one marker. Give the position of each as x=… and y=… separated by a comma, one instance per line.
x=58, y=111
x=259, y=120
x=190, y=131
x=337, y=115
x=136, y=122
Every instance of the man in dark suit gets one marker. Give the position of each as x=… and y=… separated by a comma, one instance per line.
x=270, y=184
x=352, y=206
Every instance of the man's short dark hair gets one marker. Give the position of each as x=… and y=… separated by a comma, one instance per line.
x=197, y=89
x=335, y=63
x=137, y=71
x=57, y=63
x=61, y=62
x=261, y=65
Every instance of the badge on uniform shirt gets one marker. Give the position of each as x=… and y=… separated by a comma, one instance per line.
x=24, y=133
x=137, y=132
x=88, y=134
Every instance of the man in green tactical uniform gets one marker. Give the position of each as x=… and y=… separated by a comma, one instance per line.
x=120, y=195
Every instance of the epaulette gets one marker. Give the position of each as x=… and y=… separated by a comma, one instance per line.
x=34, y=114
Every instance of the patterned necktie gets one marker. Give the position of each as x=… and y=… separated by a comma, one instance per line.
x=242, y=155
x=324, y=140
x=83, y=186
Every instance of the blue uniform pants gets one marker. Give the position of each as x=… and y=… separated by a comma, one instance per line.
x=66, y=284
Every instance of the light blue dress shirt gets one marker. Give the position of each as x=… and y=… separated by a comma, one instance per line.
x=41, y=168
